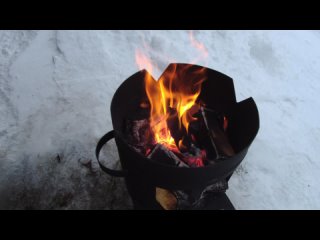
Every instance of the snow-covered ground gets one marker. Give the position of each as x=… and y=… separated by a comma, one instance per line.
x=55, y=93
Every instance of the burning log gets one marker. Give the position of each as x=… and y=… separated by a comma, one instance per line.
x=217, y=134
x=208, y=133
x=200, y=136
x=195, y=157
x=139, y=135
x=205, y=141
x=163, y=154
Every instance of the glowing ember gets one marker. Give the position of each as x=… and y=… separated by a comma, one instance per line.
x=225, y=123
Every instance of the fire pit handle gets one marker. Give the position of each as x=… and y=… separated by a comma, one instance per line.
x=115, y=173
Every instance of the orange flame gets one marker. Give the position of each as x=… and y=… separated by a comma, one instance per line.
x=176, y=89
x=158, y=105
x=203, y=52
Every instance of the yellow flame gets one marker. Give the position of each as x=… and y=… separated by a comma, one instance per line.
x=177, y=89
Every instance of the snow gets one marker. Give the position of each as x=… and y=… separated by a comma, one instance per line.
x=55, y=93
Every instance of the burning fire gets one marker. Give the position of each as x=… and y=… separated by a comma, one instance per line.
x=173, y=96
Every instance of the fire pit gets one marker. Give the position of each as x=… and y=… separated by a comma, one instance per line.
x=180, y=138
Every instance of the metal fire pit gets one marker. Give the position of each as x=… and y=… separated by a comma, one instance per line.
x=143, y=175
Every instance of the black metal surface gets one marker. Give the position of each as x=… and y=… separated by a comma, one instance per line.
x=219, y=202
x=144, y=174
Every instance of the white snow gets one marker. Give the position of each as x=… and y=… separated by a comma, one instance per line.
x=55, y=93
